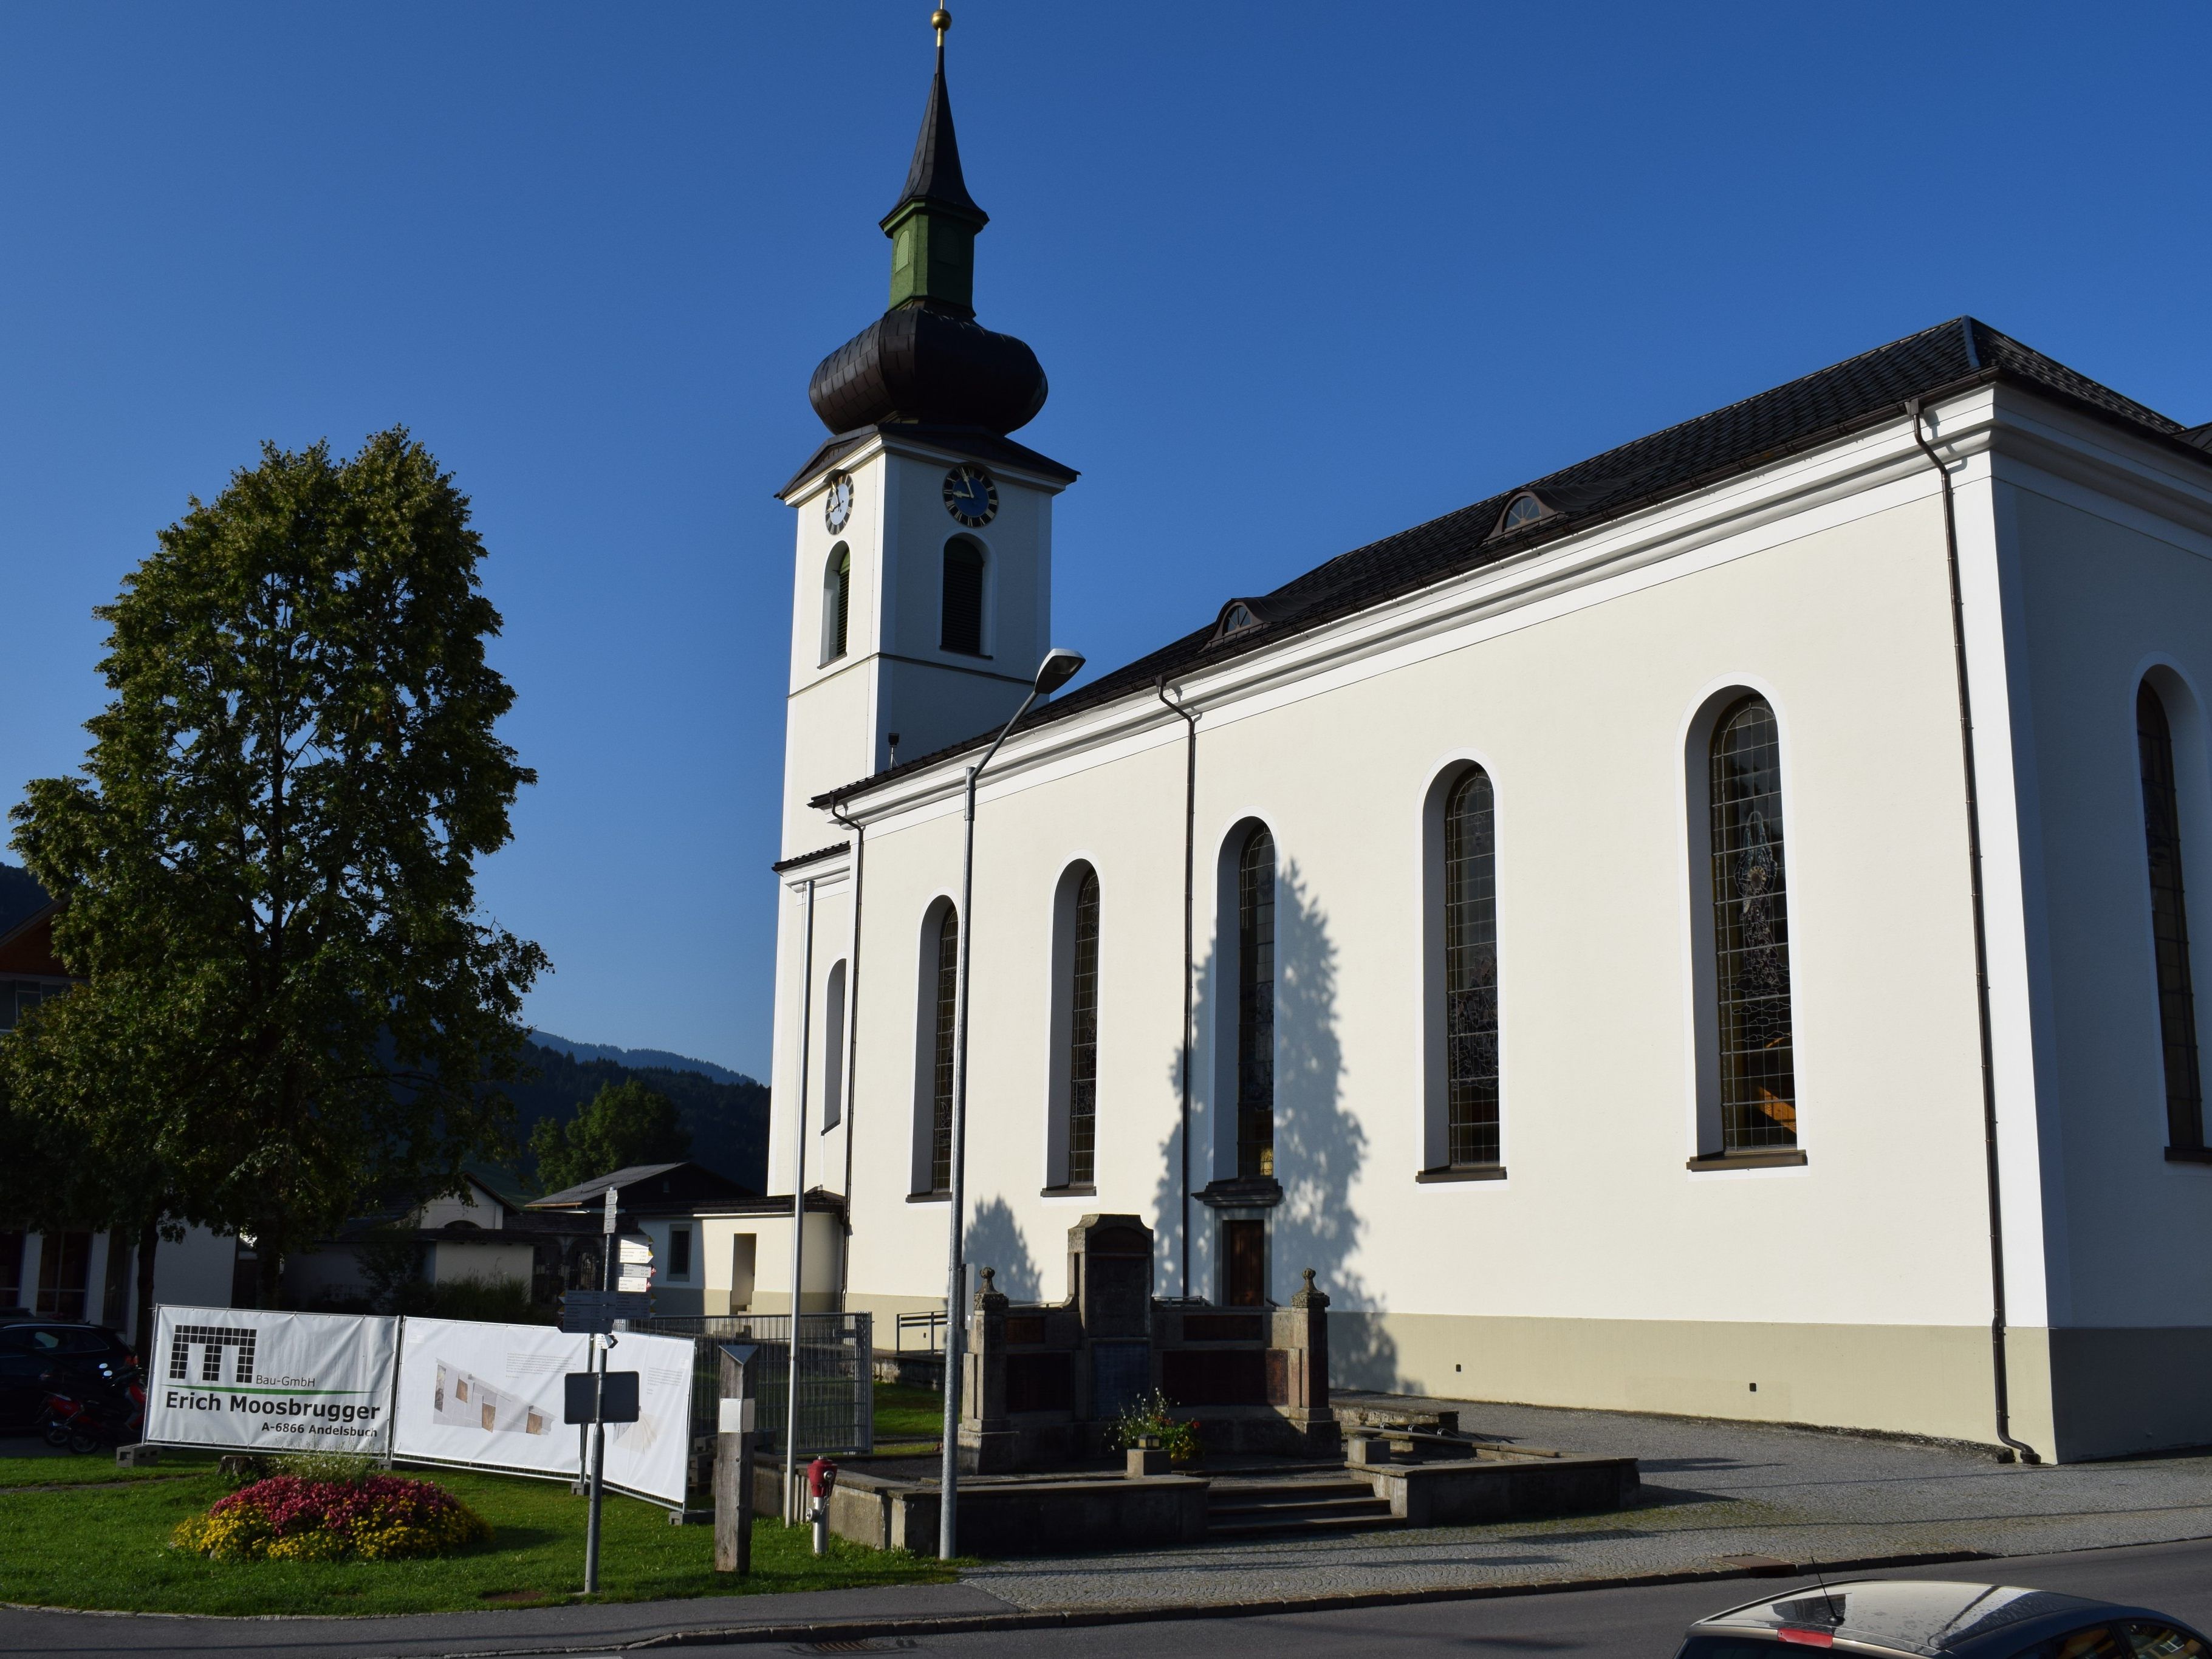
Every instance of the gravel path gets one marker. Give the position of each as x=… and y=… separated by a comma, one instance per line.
x=1712, y=1491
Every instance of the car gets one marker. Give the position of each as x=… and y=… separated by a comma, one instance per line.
x=1933, y=1619
x=31, y=1348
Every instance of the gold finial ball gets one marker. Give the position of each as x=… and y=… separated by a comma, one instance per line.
x=941, y=19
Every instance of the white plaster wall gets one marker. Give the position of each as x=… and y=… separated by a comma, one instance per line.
x=1579, y=707
x=2109, y=589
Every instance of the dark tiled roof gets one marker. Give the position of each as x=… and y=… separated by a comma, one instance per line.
x=1791, y=419
x=992, y=448
x=794, y=861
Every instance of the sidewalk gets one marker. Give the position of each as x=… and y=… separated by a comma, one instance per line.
x=1720, y=1498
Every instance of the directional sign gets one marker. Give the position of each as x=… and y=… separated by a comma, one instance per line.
x=594, y=1312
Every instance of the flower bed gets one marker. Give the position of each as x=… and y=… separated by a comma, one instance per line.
x=288, y=1518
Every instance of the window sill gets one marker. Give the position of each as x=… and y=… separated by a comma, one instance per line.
x=940, y=1197
x=1086, y=1190
x=1773, y=1158
x=2189, y=1154
x=1464, y=1172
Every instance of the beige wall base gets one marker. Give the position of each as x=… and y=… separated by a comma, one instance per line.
x=1899, y=1379
x=2120, y=1391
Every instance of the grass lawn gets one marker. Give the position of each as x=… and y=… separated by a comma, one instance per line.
x=904, y=1416
x=108, y=1547
x=97, y=1467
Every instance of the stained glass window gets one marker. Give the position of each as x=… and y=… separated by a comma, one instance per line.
x=1083, y=1039
x=1471, y=973
x=2169, y=913
x=948, y=999
x=1751, y=933
x=1255, y=1005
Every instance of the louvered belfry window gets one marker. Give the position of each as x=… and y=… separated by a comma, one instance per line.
x=961, y=627
x=1083, y=1039
x=1751, y=932
x=1255, y=1005
x=2169, y=915
x=1471, y=1137
x=948, y=1002
x=841, y=600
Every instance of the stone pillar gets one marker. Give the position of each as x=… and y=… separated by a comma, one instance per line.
x=986, y=1439
x=1298, y=1368
x=1109, y=1280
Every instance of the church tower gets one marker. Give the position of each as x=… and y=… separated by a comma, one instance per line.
x=922, y=600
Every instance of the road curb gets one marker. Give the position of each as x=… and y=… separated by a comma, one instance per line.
x=856, y=1630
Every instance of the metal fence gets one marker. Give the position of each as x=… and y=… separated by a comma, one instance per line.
x=836, y=1403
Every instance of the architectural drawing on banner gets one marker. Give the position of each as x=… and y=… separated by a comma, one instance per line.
x=463, y=1400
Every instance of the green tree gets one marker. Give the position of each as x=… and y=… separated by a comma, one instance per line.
x=623, y=1124
x=291, y=1002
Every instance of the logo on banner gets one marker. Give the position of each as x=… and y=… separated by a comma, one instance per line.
x=211, y=1341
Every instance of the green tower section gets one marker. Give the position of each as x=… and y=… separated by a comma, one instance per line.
x=932, y=229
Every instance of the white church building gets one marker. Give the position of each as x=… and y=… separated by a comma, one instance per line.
x=1705, y=932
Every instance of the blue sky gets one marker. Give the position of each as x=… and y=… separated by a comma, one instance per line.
x=1302, y=275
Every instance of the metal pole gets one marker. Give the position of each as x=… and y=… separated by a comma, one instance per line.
x=948, y=1522
x=1051, y=673
x=792, y=1511
x=598, y=1427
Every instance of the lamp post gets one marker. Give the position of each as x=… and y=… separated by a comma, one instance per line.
x=1058, y=667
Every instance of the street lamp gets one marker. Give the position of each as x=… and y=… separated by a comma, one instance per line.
x=1058, y=667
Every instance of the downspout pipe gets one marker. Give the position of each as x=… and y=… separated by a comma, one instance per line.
x=1189, y=855
x=852, y=1060
x=1998, y=1366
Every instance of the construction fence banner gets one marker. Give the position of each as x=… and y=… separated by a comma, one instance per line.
x=263, y=1380
x=490, y=1396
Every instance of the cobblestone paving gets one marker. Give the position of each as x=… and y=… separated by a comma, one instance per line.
x=1710, y=1490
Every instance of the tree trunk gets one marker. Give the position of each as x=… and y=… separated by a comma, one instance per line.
x=269, y=1273
x=149, y=1243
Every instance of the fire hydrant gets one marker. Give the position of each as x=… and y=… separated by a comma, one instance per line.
x=821, y=1481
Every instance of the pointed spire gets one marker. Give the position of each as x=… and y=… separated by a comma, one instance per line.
x=934, y=179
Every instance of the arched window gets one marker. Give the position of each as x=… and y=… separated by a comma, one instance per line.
x=2169, y=912
x=1255, y=1005
x=833, y=1048
x=1471, y=973
x=836, y=602
x=1751, y=932
x=1083, y=1038
x=961, y=623
x=946, y=1008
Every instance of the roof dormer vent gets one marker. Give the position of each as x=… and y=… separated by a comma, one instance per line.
x=1237, y=616
x=1525, y=508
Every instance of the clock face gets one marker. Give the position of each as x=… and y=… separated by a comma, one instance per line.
x=837, y=505
x=970, y=496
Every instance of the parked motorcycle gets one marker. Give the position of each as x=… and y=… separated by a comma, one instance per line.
x=101, y=1407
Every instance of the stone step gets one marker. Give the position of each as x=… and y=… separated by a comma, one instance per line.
x=1273, y=1494
x=1366, y=1504
x=1285, y=1523
x=1239, y=1500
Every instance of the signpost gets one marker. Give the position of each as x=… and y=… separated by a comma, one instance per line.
x=733, y=1461
x=599, y=1423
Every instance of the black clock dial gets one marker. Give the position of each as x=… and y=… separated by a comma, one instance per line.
x=837, y=503
x=970, y=496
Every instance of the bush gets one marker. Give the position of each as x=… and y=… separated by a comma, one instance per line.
x=290, y=1517
x=502, y=1301
x=1153, y=1418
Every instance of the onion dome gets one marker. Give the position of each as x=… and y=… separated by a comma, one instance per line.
x=926, y=360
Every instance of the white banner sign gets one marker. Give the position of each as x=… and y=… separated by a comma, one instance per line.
x=471, y=1392
x=271, y=1382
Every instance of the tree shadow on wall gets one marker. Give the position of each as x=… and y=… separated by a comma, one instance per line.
x=995, y=1240
x=1319, y=1146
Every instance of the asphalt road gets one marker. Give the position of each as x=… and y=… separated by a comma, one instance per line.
x=1631, y=1624
x=2175, y=1578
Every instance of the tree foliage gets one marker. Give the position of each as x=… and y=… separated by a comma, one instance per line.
x=291, y=1001
x=623, y=1124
